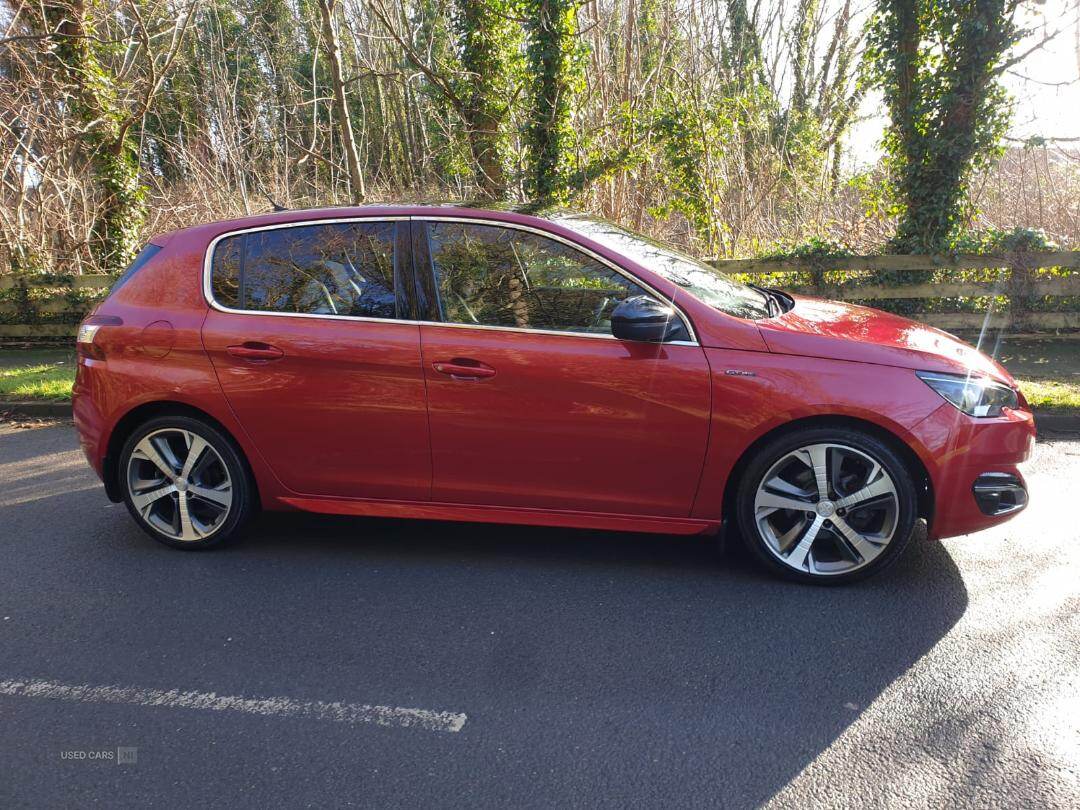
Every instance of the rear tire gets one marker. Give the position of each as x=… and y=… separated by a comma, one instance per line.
x=826, y=506
x=185, y=482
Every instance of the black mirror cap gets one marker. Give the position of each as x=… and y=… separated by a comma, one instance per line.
x=645, y=319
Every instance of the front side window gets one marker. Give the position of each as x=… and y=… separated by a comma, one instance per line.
x=493, y=276
x=341, y=268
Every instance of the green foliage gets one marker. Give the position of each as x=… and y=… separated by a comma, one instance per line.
x=936, y=62
x=683, y=141
x=118, y=230
x=452, y=155
x=30, y=299
x=714, y=145
x=105, y=134
x=1048, y=394
x=24, y=258
x=487, y=41
x=813, y=248
x=555, y=64
x=692, y=137
x=995, y=240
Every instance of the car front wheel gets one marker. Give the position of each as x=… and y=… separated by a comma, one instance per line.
x=185, y=483
x=827, y=505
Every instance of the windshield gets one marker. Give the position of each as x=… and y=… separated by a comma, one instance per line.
x=704, y=282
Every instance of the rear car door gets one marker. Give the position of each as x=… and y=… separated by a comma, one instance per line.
x=533, y=403
x=309, y=334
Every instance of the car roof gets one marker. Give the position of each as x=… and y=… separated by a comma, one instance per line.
x=521, y=213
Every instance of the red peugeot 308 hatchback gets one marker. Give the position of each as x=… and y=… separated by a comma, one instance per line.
x=464, y=364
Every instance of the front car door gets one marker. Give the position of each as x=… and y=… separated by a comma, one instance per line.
x=308, y=334
x=533, y=403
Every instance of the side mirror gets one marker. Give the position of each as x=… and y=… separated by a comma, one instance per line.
x=645, y=319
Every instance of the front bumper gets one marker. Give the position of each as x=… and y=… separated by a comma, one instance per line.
x=969, y=460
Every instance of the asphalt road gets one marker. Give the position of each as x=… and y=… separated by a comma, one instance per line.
x=589, y=669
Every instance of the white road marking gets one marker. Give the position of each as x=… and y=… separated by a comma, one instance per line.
x=337, y=712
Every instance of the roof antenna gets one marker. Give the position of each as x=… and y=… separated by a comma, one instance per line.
x=277, y=207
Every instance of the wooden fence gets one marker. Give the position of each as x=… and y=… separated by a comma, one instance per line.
x=46, y=306
x=1011, y=290
x=1003, y=291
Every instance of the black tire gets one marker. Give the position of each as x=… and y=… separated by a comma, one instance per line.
x=241, y=487
x=906, y=506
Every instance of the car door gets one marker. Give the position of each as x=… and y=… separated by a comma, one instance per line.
x=309, y=336
x=532, y=402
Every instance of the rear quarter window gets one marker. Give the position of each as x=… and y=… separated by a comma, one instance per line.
x=225, y=271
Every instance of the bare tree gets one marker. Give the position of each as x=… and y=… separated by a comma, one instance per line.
x=332, y=50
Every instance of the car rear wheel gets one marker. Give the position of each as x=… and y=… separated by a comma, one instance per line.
x=185, y=483
x=827, y=505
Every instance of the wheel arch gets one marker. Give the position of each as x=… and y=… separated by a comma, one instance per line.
x=910, y=458
x=130, y=422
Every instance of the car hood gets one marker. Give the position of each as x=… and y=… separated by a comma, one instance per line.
x=841, y=331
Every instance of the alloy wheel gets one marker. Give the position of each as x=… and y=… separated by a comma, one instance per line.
x=826, y=509
x=179, y=484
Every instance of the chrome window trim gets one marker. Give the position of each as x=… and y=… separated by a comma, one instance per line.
x=208, y=292
x=687, y=325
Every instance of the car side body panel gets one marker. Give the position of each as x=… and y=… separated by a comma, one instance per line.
x=567, y=422
x=570, y=519
x=341, y=413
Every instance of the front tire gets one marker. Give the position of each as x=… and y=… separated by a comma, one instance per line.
x=826, y=505
x=185, y=482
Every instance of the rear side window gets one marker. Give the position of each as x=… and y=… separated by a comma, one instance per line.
x=145, y=255
x=340, y=268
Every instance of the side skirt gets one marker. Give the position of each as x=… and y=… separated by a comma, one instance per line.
x=500, y=514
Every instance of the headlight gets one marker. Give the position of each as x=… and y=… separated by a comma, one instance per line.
x=975, y=396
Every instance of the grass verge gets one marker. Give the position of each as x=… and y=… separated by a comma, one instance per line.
x=1052, y=395
x=49, y=380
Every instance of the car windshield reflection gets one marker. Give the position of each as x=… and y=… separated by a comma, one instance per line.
x=704, y=282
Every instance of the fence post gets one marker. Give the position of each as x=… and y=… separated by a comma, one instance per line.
x=24, y=308
x=1021, y=288
x=818, y=265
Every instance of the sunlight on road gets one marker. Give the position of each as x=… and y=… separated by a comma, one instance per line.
x=998, y=716
x=44, y=476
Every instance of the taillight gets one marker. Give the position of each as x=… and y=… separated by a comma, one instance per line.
x=85, y=341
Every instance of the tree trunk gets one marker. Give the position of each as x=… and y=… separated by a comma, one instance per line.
x=484, y=145
x=332, y=50
x=113, y=154
x=482, y=31
x=945, y=116
x=552, y=32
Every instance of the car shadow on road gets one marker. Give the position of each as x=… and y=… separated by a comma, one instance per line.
x=703, y=664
